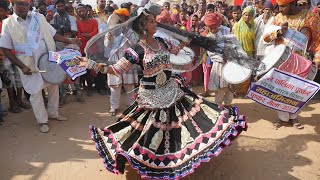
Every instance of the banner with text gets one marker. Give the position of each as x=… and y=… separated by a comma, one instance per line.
x=296, y=39
x=64, y=58
x=283, y=91
x=292, y=37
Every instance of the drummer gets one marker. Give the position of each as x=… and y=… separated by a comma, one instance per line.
x=291, y=16
x=29, y=45
x=216, y=82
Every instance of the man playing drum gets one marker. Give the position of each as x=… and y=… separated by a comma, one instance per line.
x=29, y=34
x=291, y=16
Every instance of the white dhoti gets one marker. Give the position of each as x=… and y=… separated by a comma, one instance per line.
x=285, y=116
x=38, y=106
x=127, y=80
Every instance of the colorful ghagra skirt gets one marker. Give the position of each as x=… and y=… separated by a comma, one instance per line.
x=170, y=141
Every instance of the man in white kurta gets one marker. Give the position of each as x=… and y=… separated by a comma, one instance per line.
x=260, y=23
x=29, y=34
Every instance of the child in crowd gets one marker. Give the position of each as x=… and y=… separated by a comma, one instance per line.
x=75, y=85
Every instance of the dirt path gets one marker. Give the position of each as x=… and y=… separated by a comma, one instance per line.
x=67, y=153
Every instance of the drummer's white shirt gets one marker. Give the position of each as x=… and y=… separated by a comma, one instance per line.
x=7, y=42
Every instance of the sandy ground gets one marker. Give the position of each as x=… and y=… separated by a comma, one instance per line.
x=67, y=153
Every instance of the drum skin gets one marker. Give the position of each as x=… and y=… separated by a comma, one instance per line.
x=234, y=73
x=54, y=72
x=279, y=54
x=238, y=77
x=184, y=61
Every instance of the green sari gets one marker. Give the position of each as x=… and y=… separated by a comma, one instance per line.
x=244, y=34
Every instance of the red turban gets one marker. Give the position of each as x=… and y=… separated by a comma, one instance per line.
x=213, y=20
x=284, y=2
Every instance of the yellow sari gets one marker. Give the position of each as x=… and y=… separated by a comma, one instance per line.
x=244, y=34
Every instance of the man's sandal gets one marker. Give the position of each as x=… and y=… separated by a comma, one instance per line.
x=295, y=123
x=113, y=112
x=277, y=124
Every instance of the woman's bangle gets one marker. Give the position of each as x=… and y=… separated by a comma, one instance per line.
x=91, y=64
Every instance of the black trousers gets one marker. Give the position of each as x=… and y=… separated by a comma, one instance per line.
x=100, y=81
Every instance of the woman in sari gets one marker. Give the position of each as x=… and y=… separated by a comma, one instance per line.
x=244, y=31
x=193, y=25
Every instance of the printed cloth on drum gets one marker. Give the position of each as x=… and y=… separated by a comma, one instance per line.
x=296, y=64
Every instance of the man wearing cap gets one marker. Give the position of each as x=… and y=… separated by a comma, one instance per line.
x=308, y=23
x=260, y=23
x=29, y=34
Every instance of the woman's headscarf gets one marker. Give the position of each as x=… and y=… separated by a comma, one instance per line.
x=244, y=33
x=249, y=9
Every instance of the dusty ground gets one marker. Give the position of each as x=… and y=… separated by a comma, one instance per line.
x=67, y=153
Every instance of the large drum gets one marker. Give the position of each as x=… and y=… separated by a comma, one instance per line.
x=184, y=61
x=273, y=60
x=54, y=73
x=285, y=60
x=237, y=76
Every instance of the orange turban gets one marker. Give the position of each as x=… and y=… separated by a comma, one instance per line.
x=213, y=20
x=284, y=2
x=122, y=11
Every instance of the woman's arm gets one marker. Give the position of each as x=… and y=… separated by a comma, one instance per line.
x=123, y=65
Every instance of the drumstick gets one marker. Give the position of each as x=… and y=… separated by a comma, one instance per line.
x=40, y=71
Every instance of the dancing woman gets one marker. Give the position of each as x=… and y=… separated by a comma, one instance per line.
x=168, y=130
